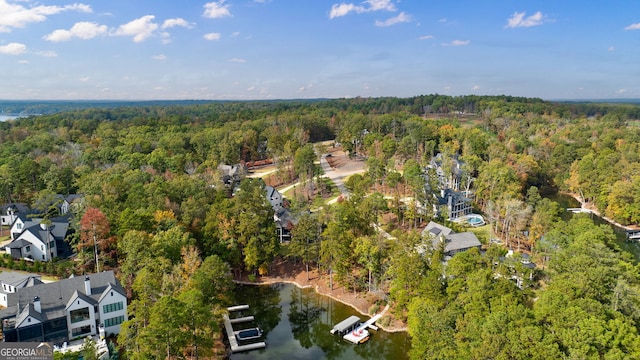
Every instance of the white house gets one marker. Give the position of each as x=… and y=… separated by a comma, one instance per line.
x=9, y=212
x=11, y=281
x=65, y=310
x=69, y=202
x=34, y=239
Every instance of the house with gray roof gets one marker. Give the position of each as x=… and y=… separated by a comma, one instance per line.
x=11, y=281
x=35, y=239
x=9, y=212
x=281, y=215
x=65, y=310
x=450, y=242
x=452, y=203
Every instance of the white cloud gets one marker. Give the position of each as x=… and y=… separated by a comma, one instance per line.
x=212, y=36
x=216, y=9
x=376, y=5
x=338, y=10
x=475, y=87
x=457, y=43
x=238, y=60
x=635, y=26
x=84, y=79
x=169, y=23
x=518, y=20
x=18, y=16
x=304, y=88
x=140, y=28
x=621, y=91
x=159, y=57
x=400, y=18
x=611, y=48
x=82, y=30
x=49, y=54
x=23, y=62
x=251, y=88
x=13, y=49
x=79, y=7
x=425, y=37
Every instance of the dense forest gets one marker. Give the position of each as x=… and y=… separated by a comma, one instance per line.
x=177, y=236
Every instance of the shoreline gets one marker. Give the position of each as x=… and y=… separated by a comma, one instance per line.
x=317, y=290
x=591, y=208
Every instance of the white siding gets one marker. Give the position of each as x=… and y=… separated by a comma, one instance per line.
x=38, y=248
x=112, y=297
x=28, y=322
x=80, y=304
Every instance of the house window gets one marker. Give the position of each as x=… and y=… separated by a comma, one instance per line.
x=27, y=248
x=114, y=321
x=52, y=244
x=42, y=257
x=42, y=247
x=81, y=331
x=79, y=315
x=19, y=226
x=112, y=307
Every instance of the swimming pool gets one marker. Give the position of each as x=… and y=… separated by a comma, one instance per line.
x=475, y=220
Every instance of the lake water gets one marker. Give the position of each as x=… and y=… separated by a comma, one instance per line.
x=296, y=324
x=632, y=247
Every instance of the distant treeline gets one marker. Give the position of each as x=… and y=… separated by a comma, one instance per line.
x=188, y=110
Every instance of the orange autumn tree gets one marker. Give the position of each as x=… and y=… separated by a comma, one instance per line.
x=95, y=240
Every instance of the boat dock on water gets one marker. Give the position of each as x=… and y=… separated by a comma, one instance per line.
x=353, y=330
x=247, y=334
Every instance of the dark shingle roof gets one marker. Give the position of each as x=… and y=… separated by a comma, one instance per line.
x=18, y=244
x=16, y=279
x=55, y=296
x=26, y=312
x=436, y=229
x=461, y=241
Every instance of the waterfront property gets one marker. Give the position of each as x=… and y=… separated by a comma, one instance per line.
x=64, y=310
x=349, y=324
x=353, y=330
x=241, y=335
x=450, y=242
x=296, y=323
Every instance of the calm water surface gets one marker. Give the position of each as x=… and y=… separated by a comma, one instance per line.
x=296, y=324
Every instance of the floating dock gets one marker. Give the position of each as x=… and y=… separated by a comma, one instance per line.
x=233, y=341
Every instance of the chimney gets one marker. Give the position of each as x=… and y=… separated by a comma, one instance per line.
x=87, y=285
x=36, y=304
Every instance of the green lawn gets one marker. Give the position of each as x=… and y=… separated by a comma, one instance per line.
x=482, y=232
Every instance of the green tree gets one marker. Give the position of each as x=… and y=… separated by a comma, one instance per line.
x=305, y=239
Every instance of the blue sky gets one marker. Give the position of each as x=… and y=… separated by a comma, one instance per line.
x=284, y=49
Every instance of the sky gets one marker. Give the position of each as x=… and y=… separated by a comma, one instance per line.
x=295, y=49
